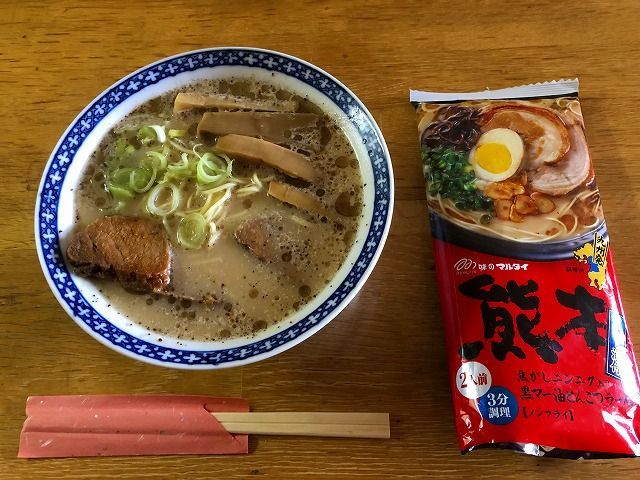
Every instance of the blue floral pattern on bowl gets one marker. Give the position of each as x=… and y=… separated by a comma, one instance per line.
x=54, y=175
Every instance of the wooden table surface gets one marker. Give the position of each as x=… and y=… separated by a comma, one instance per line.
x=385, y=351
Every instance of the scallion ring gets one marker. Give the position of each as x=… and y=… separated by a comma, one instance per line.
x=142, y=179
x=166, y=208
x=212, y=169
x=160, y=159
x=118, y=183
x=123, y=149
x=192, y=231
x=152, y=133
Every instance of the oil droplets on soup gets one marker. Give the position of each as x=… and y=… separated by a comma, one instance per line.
x=252, y=241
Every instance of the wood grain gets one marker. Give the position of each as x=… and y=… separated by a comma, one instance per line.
x=385, y=351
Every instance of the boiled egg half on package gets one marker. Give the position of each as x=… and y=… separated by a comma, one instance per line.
x=497, y=155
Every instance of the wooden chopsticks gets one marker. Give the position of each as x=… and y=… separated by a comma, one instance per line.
x=317, y=424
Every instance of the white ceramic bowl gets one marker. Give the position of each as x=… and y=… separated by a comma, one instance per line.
x=54, y=219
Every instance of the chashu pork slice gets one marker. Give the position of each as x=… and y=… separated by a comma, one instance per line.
x=263, y=237
x=134, y=250
x=573, y=170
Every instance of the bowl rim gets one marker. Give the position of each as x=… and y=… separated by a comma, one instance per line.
x=316, y=320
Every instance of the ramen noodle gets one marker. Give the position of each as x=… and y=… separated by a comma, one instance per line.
x=539, y=354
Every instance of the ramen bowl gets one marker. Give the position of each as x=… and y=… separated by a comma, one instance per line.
x=54, y=221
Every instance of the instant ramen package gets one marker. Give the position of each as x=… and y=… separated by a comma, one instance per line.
x=539, y=353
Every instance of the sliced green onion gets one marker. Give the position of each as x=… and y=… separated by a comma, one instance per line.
x=174, y=133
x=146, y=135
x=120, y=193
x=167, y=208
x=213, y=169
x=166, y=182
x=118, y=183
x=160, y=159
x=142, y=179
x=123, y=149
x=185, y=163
x=160, y=134
x=152, y=133
x=119, y=176
x=192, y=231
x=214, y=161
x=181, y=170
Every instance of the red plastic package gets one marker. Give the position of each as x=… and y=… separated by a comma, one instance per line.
x=539, y=354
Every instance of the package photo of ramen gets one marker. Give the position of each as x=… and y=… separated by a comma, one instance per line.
x=539, y=355
x=517, y=169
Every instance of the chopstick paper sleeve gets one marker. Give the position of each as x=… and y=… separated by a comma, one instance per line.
x=108, y=425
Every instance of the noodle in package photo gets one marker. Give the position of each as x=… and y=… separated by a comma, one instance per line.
x=538, y=348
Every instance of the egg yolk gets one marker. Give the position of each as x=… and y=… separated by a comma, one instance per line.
x=493, y=157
